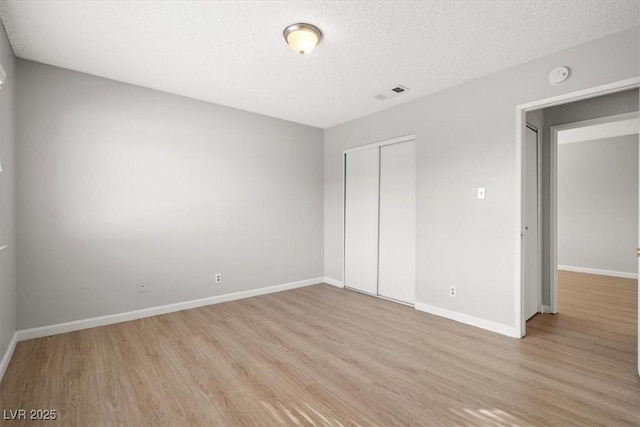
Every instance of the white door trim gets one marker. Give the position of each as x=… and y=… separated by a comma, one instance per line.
x=601, y=127
x=397, y=140
x=521, y=111
x=553, y=200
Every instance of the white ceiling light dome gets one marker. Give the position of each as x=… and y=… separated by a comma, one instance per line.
x=302, y=38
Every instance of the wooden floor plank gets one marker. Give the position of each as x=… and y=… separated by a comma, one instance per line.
x=324, y=356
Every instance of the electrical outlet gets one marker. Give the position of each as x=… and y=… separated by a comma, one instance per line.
x=452, y=291
x=218, y=277
x=142, y=287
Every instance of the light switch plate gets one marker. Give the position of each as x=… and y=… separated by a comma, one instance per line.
x=481, y=193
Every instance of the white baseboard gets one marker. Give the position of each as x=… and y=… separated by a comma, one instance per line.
x=61, y=328
x=334, y=282
x=489, y=325
x=7, y=355
x=588, y=270
x=546, y=309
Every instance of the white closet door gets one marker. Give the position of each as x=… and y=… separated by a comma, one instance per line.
x=397, y=222
x=361, y=220
x=531, y=262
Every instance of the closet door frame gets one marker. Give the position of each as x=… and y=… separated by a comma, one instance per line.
x=397, y=140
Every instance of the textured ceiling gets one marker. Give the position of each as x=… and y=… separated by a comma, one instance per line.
x=233, y=53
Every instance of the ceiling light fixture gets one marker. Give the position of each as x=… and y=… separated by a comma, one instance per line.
x=302, y=37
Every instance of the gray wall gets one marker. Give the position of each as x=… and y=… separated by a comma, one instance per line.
x=7, y=198
x=465, y=138
x=119, y=184
x=598, y=204
x=609, y=105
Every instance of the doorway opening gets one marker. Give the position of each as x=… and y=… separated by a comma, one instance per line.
x=559, y=128
x=594, y=194
x=527, y=113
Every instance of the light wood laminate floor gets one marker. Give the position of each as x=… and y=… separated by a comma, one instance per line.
x=326, y=356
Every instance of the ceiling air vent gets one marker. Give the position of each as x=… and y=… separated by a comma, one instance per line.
x=391, y=93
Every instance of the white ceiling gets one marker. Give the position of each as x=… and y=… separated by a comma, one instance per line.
x=233, y=53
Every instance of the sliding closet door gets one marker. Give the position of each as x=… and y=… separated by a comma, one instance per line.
x=361, y=220
x=397, y=222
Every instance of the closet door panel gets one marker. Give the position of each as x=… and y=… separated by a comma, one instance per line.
x=361, y=220
x=397, y=263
